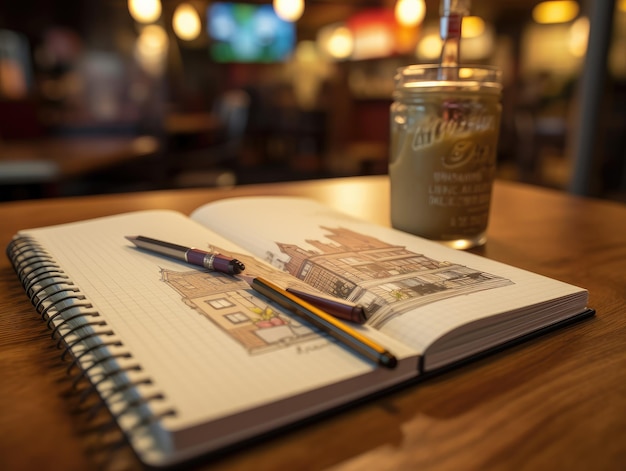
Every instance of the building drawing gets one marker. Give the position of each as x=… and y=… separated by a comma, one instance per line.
x=388, y=280
x=254, y=322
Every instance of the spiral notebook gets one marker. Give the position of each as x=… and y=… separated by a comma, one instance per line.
x=189, y=361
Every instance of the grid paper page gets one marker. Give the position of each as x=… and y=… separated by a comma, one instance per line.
x=203, y=373
x=314, y=228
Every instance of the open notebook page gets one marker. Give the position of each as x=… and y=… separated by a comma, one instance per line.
x=204, y=370
x=430, y=290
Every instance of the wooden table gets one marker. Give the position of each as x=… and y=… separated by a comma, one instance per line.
x=77, y=156
x=53, y=166
x=556, y=402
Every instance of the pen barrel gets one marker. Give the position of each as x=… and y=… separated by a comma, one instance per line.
x=326, y=323
x=198, y=257
x=201, y=258
x=335, y=307
x=163, y=248
x=214, y=261
x=221, y=264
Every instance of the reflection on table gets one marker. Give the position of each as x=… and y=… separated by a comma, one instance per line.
x=50, y=163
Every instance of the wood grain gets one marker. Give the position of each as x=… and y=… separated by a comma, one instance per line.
x=556, y=402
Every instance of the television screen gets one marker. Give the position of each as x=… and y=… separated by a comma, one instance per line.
x=248, y=33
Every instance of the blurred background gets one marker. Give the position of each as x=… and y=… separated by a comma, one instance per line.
x=106, y=96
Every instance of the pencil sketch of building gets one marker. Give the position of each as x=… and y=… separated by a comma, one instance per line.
x=251, y=320
x=388, y=280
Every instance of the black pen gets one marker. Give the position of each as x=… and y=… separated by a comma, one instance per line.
x=212, y=261
x=324, y=321
x=220, y=263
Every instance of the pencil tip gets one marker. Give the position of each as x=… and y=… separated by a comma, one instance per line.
x=131, y=238
x=247, y=278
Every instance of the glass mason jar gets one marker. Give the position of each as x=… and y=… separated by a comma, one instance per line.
x=445, y=123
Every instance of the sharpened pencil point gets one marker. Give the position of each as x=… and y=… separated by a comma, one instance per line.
x=247, y=278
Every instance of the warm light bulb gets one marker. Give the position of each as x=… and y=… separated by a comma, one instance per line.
x=151, y=49
x=152, y=41
x=289, y=10
x=578, y=36
x=558, y=11
x=472, y=27
x=341, y=43
x=145, y=11
x=306, y=51
x=410, y=12
x=429, y=46
x=186, y=22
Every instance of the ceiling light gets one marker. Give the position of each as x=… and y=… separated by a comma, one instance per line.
x=289, y=10
x=429, y=46
x=551, y=12
x=472, y=27
x=186, y=22
x=145, y=11
x=579, y=36
x=410, y=12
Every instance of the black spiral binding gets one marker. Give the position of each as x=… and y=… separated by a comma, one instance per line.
x=73, y=321
x=92, y=388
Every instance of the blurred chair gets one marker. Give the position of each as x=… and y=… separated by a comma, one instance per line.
x=215, y=164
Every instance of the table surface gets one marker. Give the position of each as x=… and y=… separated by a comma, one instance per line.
x=555, y=402
x=76, y=156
